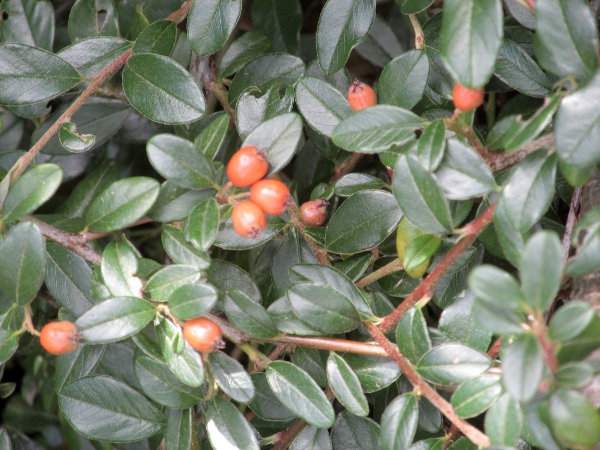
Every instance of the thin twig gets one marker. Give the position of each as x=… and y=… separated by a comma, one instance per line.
x=346, y=167
x=538, y=325
x=389, y=268
x=27, y=321
x=501, y=161
x=494, y=350
x=419, y=36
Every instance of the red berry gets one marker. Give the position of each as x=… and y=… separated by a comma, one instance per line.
x=60, y=337
x=271, y=196
x=314, y=212
x=361, y=96
x=467, y=99
x=248, y=219
x=203, y=335
x=247, y=166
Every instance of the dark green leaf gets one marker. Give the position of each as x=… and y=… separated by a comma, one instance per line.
x=495, y=286
x=343, y=24
x=420, y=197
x=73, y=141
x=175, y=203
x=9, y=342
x=420, y=250
x=362, y=222
x=264, y=404
x=322, y=106
x=97, y=18
x=231, y=377
x=244, y=49
x=121, y=204
x=31, y=75
x=167, y=280
x=281, y=21
x=355, y=266
x=76, y=364
x=210, y=23
x=115, y=319
x=381, y=44
x=575, y=420
x=226, y=427
x=587, y=259
x=180, y=250
x=119, y=268
x=90, y=56
x=210, y=140
x=254, y=109
x=162, y=90
x=103, y=408
x=452, y=364
x=504, y=421
x=228, y=239
x=202, y=225
x=28, y=22
x=178, y=434
x=541, y=269
x=355, y=182
x=299, y=392
x=476, y=395
x=192, y=300
x=24, y=247
x=460, y=321
x=522, y=366
x=159, y=38
x=293, y=250
x=566, y=38
x=376, y=129
x=470, y=39
x=432, y=144
x=374, y=373
x=312, y=438
x=225, y=276
x=350, y=431
x=313, y=362
x=346, y=386
x=516, y=68
x=574, y=375
x=399, y=423
x=403, y=80
x=570, y=320
x=248, y=315
x=31, y=191
x=412, y=337
x=414, y=6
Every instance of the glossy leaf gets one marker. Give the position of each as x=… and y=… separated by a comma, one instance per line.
x=403, y=80
x=210, y=139
x=76, y=364
x=119, y=268
x=350, y=431
x=244, y=49
x=158, y=38
x=496, y=286
x=504, y=421
x=356, y=182
x=231, y=377
x=346, y=386
x=281, y=21
x=381, y=44
x=452, y=364
x=226, y=427
x=165, y=281
x=21, y=279
x=517, y=69
x=412, y=337
x=228, y=239
x=312, y=438
x=399, y=423
x=28, y=22
x=90, y=56
x=8, y=345
x=253, y=109
x=115, y=319
x=460, y=320
x=162, y=90
x=264, y=404
x=225, y=276
x=574, y=375
x=180, y=250
x=420, y=250
x=192, y=300
x=73, y=141
x=93, y=18
x=178, y=433
x=248, y=315
x=374, y=373
x=575, y=420
x=202, y=225
x=432, y=144
x=210, y=24
x=522, y=359
x=570, y=320
x=476, y=395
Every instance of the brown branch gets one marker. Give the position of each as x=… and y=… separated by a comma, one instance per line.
x=87, y=236
x=419, y=36
x=501, y=161
x=538, y=325
x=426, y=288
x=392, y=267
x=422, y=387
x=456, y=124
x=346, y=167
x=337, y=345
x=27, y=322
x=494, y=350
x=179, y=15
x=205, y=71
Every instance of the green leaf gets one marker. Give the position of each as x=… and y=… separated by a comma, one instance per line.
x=312, y=438
x=168, y=279
x=97, y=18
x=178, y=434
x=570, y=320
x=420, y=197
x=231, y=377
x=356, y=182
x=381, y=44
x=180, y=250
x=399, y=423
x=374, y=373
x=452, y=364
x=9, y=342
x=575, y=420
x=264, y=404
x=160, y=384
x=225, y=276
x=350, y=431
x=210, y=140
x=28, y=22
x=202, y=224
x=162, y=90
x=470, y=39
x=279, y=138
x=577, y=127
x=121, y=204
x=566, y=38
x=30, y=191
x=323, y=308
x=119, y=268
x=322, y=106
x=432, y=145
x=103, y=408
x=574, y=375
x=115, y=319
x=76, y=364
x=210, y=22
x=300, y=393
x=355, y=266
x=414, y=6
x=587, y=259
x=68, y=279
x=504, y=421
x=21, y=279
x=31, y=75
x=530, y=190
x=363, y=221
x=228, y=239
x=74, y=141
x=420, y=250
x=376, y=129
x=476, y=395
x=412, y=337
x=158, y=38
x=253, y=109
x=313, y=362
x=522, y=366
x=463, y=173
x=226, y=427
x=495, y=286
x=281, y=21
x=248, y=315
x=244, y=49
x=403, y=80
x=517, y=69
x=541, y=269
x=266, y=71
x=343, y=24
x=90, y=56
x=460, y=321
x=346, y=386
x=192, y=300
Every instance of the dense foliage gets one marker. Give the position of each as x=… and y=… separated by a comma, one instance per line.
x=449, y=299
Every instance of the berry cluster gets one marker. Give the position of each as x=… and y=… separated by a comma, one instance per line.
x=247, y=168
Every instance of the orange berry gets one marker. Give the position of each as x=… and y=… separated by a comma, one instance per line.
x=248, y=219
x=203, y=335
x=467, y=99
x=247, y=166
x=60, y=337
x=361, y=96
x=314, y=212
x=272, y=196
